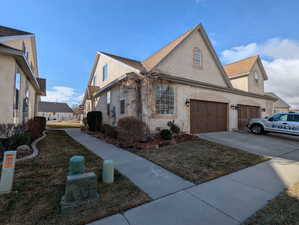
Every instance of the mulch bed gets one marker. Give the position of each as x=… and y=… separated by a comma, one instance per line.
x=39, y=185
x=199, y=160
x=153, y=142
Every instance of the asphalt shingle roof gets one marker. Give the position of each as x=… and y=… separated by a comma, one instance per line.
x=131, y=62
x=54, y=107
x=7, y=31
x=240, y=67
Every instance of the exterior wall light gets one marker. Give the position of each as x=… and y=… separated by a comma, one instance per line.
x=187, y=102
x=263, y=110
x=235, y=107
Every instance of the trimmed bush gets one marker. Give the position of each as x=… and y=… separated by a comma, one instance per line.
x=135, y=129
x=94, y=120
x=35, y=128
x=14, y=136
x=109, y=131
x=42, y=121
x=175, y=129
x=166, y=134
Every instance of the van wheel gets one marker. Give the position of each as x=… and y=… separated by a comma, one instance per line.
x=257, y=129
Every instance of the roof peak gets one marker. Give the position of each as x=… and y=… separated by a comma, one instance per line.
x=154, y=59
x=240, y=60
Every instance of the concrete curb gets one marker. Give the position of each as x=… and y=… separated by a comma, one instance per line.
x=35, y=149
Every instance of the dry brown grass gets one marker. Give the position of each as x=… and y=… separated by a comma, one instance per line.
x=39, y=185
x=64, y=124
x=200, y=161
x=283, y=210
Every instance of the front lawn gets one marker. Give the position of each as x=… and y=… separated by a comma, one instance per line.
x=199, y=161
x=64, y=124
x=39, y=185
x=283, y=210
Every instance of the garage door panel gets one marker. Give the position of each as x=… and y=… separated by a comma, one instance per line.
x=207, y=116
x=245, y=113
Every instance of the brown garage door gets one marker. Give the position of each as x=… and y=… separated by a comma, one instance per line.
x=207, y=116
x=245, y=113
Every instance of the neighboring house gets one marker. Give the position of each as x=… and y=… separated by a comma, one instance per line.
x=280, y=105
x=184, y=81
x=55, y=111
x=20, y=85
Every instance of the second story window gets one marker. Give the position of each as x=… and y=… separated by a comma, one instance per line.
x=197, y=57
x=105, y=72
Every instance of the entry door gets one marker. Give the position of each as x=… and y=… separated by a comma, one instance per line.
x=207, y=116
x=245, y=113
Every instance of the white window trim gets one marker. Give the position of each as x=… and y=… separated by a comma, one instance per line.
x=174, y=100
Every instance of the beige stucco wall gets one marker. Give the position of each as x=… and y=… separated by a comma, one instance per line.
x=117, y=93
x=180, y=62
x=182, y=115
x=249, y=83
x=115, y=70
x=280, y=109
x=18, y=44
x=240, y=83
x=253, y=85
x=7, y=92
x=7, y=71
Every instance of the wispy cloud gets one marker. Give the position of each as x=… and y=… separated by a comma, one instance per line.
x=63, y=94
x=281, y=61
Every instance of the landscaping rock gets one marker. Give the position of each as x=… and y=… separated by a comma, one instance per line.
x=23, y=148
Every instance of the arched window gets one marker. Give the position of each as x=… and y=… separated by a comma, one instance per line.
x=197, y=57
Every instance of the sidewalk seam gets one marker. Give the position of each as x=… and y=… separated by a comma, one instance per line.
x=219, y=210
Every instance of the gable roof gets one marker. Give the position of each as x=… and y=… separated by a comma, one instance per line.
x=154, y=59
x=7, y=31
x=280, y=101
x=130, y=62
x=242, y=66
x=54, y=107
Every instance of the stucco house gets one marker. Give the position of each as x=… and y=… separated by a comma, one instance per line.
x=55, y=111
x=280, y=105
x=184, y=81
x=20, y=84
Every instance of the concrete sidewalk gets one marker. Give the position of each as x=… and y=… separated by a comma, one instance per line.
x=151, y=178
x=228, y=200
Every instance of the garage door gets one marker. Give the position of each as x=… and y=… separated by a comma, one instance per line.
x=207, y=116
x=245, y=113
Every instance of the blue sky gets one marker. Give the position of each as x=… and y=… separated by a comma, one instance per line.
x=69, y=32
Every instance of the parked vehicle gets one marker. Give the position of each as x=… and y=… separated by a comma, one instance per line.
x=286, y=123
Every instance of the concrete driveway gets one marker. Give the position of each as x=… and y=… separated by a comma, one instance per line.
x=274, y=145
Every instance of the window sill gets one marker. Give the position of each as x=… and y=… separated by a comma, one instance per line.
x=164, y=116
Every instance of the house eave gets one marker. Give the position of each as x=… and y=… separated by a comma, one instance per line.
x=22, y=63
x=194, y=83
